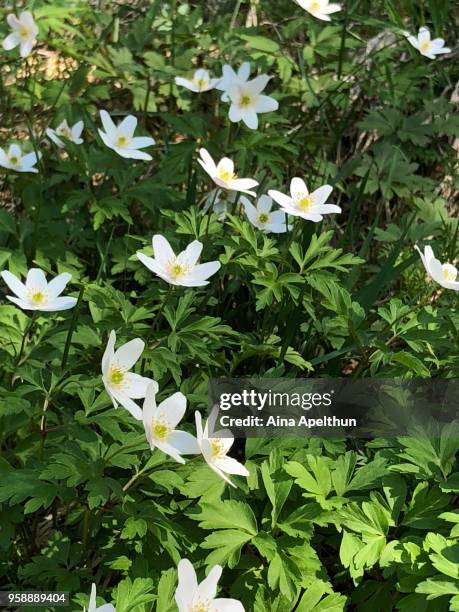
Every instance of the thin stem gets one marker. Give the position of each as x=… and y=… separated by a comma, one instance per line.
x=24, y=338
x=43, y=425
x=73, y=323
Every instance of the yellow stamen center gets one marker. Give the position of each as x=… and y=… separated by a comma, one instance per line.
x=305, y=202
x=64, y=131
x=449, y=274
x=314, y=6
x=14, y=160
x=425, y=46
x=160, y=430
x=201, y=84
x=263, y=218
x=217, y=448
x=245, y=101
x=116, y=376
x=38, y=297
x=176, y=269
x=24, y=32
x=225, y=175
x=121, y=141
x=201, y=606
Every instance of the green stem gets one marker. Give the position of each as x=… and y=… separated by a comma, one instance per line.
x=43, y=426
x=25, y=337
x=73, y=323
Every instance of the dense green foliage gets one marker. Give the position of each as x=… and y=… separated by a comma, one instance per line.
x=320, y=525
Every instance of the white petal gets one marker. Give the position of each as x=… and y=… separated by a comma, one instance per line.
x=26, y=18
x=136, y=385
x=162, y=249
x=26, y=47
x=203, y=271
x=187, y=582
x=257, y=84
x=181, y=82
x=266, y=104
x=191, y=254
x=207, y=162
x=264, y=204
x=298, y=187
x=140, y=142
x=331, y=8
x=128, y=354
x=243, y=184
x=199, y=430
x=59, y=303
x=54, y=137
x=149, y=406
x=281, y=198
x=92, y=599
x=184, y=442
x=58, y=284
x=11, y=41
x=16, y=286
x=168, y=449
x=77, y=129
x=109, y=126
x=231, y=466
x=225, y=164
x=127, y=403
x=24, y=304
x=423, y=35
x=13, y=21
x=250, y=118
x=109, y=352
x=226, y=605
x=321, y=194
x=151, y=264
x=235, y=113
x=36, y=279
x=250, y=210
x=14, y=151
x=30, y=160
x=243, y=72
x=128, y=125
x=173, y=409
x=132, y=154
x=325, y=209
x=208, y=587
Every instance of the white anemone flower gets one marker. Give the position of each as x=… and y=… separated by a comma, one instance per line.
x=427, y=47
x=122, y=385
x=181, y=269
x=15, y=160
x=220, y=201
x=200, y=82
x=321, y=9
x=193, y=597
x=63, y=130
x=444, y=274
x=120, y=138
x=160, y=422
x=301, y=203
x=231, y=79
x=247, y=101
x=262, y=217
x=24, y=33
x=93, y=605
x=223, y=174
x=214, y=448
x=37, y=293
